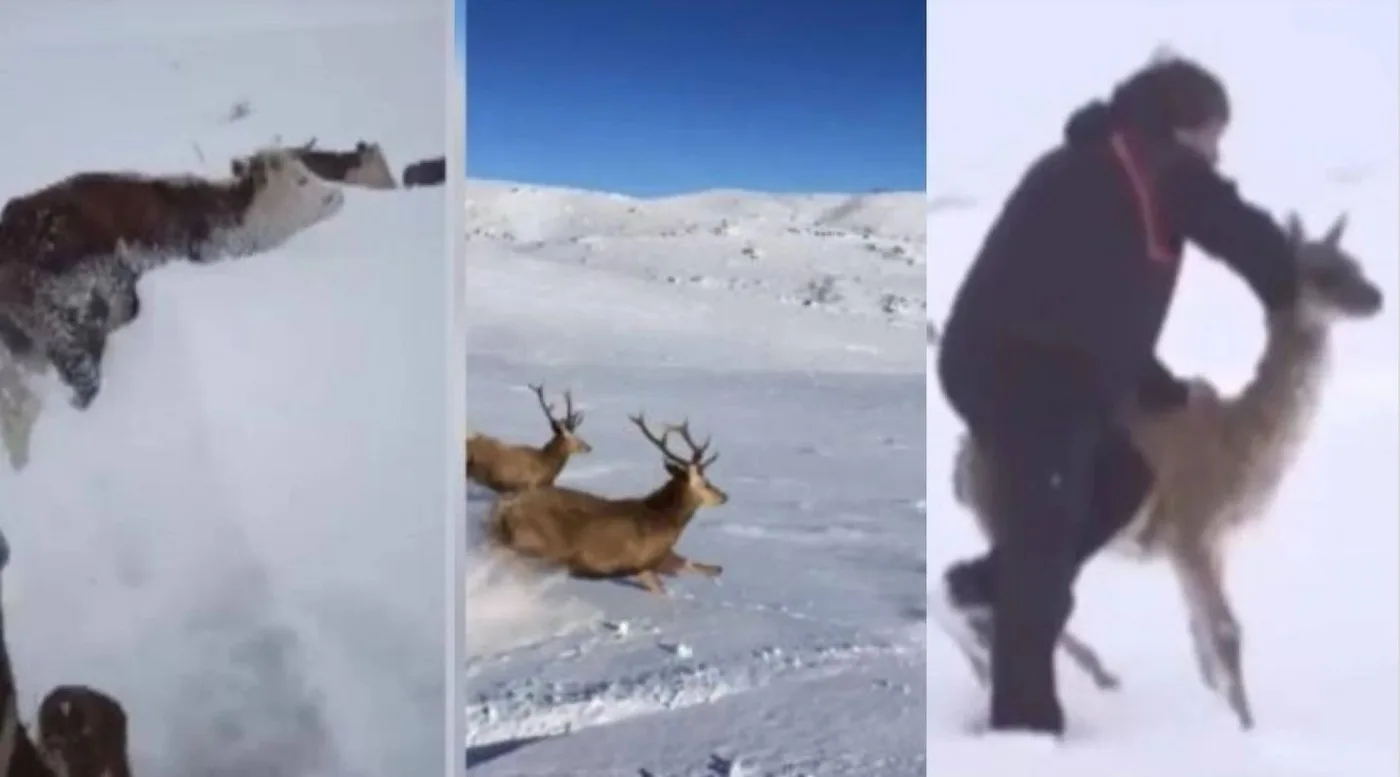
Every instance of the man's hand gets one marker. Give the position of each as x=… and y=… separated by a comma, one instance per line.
x=1201, y=391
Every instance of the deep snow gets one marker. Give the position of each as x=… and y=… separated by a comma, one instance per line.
x=243, y=538
x=1317, y=108
x=807, y=656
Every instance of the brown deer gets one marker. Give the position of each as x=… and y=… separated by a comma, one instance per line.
x=598, y=537
x=365, y=165
x=505, y=468
x=82, y=733
x=1218, y=462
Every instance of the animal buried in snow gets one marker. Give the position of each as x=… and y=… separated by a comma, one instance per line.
x=503, y=467
x=364, y=166
x=599, y=537
x=71, y=253
x=82, y=733
x=1217, y=463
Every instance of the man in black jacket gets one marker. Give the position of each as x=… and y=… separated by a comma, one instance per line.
x=1053, y=335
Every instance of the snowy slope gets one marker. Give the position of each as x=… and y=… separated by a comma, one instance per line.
x=242, y=538
x=807, y=655
x=851, y=255
x=1318, y=111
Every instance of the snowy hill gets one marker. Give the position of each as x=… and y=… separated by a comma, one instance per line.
x=818, y=619
x=189, y=544
x=1315, y=583
x=849, y=255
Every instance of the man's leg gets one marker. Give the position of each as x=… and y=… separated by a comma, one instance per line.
x=1122, y=481
x=1043, y=479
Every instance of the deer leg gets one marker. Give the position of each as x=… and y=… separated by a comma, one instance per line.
x=1215, y=632
x=1087, y=659
x=651, y=581
x=675, y=563
x=701, y=568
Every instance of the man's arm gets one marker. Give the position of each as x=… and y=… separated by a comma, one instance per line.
x=1210, y=213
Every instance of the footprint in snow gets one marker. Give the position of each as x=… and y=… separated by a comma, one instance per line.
x=677, y=649
x=725, y=767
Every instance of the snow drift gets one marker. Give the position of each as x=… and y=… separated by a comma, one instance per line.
x=243, y=538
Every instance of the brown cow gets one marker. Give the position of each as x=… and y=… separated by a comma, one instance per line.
x=365, y=166
x=71, y=253
x=153, y=219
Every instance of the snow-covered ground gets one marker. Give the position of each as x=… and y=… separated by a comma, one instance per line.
x=1317, y=108
x=807, y=656
x=858, y=255
x=243, y=537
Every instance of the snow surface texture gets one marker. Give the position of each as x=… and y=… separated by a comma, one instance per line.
x=807, y=656
x=242, y=538
x=1316, y=104
x=860, y=255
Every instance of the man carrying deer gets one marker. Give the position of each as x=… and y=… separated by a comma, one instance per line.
x=1052, y=338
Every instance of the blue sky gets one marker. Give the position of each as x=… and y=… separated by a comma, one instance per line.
x=650, y=97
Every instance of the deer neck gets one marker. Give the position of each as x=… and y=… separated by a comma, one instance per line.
x=1276, y=406
x=674, y=502
x=555, y=454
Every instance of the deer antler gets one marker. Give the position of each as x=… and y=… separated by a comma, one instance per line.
x=571, y=419
x=545, y=407
x=697, y=452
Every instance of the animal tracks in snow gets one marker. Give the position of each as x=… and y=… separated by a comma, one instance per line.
x=532, y=708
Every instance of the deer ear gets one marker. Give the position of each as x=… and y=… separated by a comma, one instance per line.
x=674, y=470
x=1334, y=233
x=1293, y=228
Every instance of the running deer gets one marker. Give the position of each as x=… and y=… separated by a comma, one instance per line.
x=1218, y=462
x=82, y=733
x=599, y=537
x=505, y=468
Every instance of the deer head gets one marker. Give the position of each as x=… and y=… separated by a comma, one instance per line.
x=1333, y=286
x=690, y=469
x=564, y=428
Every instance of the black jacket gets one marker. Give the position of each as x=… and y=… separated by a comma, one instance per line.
x=1085, y=254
